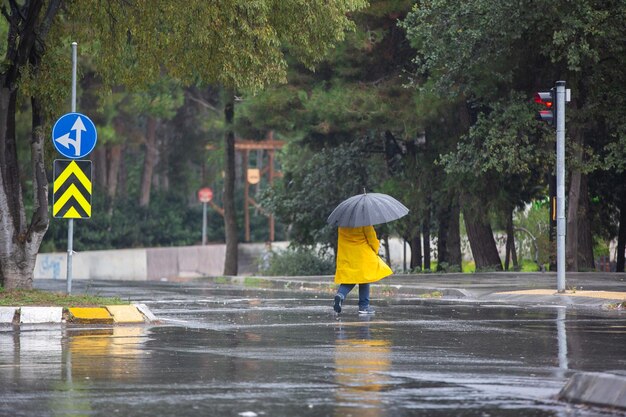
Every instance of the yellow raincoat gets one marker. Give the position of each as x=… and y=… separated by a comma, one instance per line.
x=357, y=256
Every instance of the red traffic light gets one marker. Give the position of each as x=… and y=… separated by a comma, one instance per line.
x=547, y=99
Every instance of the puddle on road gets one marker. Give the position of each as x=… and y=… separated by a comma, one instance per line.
x=292, y=356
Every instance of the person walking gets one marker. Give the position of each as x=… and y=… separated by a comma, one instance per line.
x=358, y=263
x=357, y=246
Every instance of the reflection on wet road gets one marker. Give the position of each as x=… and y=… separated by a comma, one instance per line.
x=360, y=363
x=229, y=352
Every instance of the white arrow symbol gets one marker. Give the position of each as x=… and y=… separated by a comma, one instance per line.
x=66, y=141
x=78, y=127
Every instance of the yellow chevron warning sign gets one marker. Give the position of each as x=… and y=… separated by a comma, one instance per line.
x=72, y=189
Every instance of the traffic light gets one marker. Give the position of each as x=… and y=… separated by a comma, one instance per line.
x=548, y=100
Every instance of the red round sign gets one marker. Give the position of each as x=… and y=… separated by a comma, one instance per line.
x=205, y=195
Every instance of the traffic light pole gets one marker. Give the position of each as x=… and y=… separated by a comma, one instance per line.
x=560, y=185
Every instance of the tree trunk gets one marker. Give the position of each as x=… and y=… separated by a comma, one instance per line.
x=415, y=243
x=164, y=172
x=573, y=204
x=99, y=158
x=552, y=220
x=585, y=237
x=511, y=253
x=122, y=178
x=571, y=237
x=114, y=159
x=149, y=162
x=21, y=242
x=443, y=221
x=454, y=255
x=28, y=26
x=449, y=257
x=11, y=206
x=230, y=215
x=480, y=235
x=621, y=235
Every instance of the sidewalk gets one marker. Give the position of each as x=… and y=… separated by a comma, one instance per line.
x=593, y=289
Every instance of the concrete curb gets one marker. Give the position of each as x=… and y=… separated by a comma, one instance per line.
x=32, y=315
x=606, y=390
x=120, y=314
x=89, y=315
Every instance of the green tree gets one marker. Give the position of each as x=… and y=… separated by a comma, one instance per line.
x=237, y=44
x=246, y=41
x=315, y=183
x=502, y=48
x=29, y=25
x=356, y=96
x=159, y=102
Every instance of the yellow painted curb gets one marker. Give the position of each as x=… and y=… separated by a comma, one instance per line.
x=90, y=315
x=125, y=314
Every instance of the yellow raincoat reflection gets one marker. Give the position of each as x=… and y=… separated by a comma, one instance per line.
x=359, y=363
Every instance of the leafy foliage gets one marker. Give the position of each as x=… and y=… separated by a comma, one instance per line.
x=168, y=221
x=234, y=43
x=298, y=262
x=315, y=183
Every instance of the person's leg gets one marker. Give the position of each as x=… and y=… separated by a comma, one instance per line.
x=344, y=289
x=342, y=293
x=364, y=296
x=364, y=299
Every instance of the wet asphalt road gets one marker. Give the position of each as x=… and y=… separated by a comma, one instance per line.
x=227, y=351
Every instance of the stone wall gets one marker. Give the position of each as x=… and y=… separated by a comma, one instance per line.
x=135, y=264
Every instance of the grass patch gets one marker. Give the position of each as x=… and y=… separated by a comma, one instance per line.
x=17, y=298
x=526, y=265
x=384, y=290
x=529, y=266
x=434, y=294
x=222, y=280
x=468, y=267
x=256, y=282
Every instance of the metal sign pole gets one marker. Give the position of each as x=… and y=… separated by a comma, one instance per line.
x=70, y=224
x=560, y=185
x=203, y=224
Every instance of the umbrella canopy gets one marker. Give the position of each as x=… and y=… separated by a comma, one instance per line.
x=367, y=209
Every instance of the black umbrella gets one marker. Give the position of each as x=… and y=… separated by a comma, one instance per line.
x=367, y=209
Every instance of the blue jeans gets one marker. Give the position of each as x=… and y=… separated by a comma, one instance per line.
x=364, y=293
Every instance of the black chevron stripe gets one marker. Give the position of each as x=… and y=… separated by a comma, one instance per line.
x=71, y=202
x=72, y=179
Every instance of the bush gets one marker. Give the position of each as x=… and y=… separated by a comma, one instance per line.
x=169, y=221
x=535, y=219
x=296, y=262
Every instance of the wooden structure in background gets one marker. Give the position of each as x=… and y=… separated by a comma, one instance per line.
x=269, y=145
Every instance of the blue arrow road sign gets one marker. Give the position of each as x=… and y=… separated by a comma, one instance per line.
x=74, y=135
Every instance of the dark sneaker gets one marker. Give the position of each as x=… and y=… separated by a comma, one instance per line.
x=367, y=310
x=338, y=302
